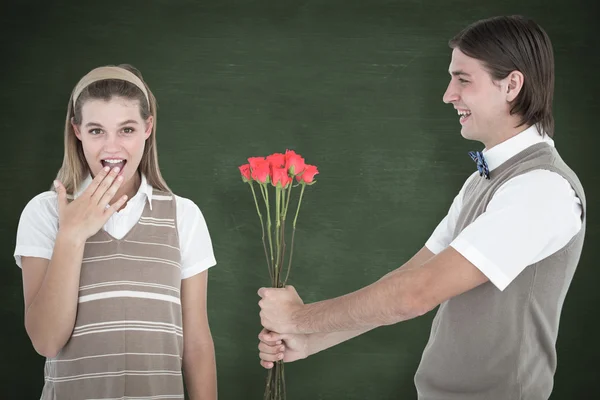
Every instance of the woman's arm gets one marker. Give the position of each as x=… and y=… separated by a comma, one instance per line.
x=51, y=287
x=199, y=365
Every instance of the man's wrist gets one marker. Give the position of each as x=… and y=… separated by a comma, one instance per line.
x=310, y=345
x=301, y=319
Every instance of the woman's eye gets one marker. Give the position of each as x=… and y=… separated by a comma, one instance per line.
x=128, y=130
x=95, y=131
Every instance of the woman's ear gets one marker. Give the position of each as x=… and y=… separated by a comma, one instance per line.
x=149, y=125
x=75, y=128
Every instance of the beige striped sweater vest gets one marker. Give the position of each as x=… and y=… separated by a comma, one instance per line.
x=128, y=340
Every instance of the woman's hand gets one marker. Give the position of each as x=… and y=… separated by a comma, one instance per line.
x=84, y=216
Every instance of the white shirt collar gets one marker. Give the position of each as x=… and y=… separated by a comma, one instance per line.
x=498, y=154
x=145, y=189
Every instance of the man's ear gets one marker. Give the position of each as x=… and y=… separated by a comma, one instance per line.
x=149, y=125
x=514, y=85
x=75, y=128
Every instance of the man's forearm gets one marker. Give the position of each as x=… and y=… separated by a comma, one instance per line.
x=384, y=302
x=320, y=341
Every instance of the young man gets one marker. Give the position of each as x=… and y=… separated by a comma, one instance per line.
x=499, y=264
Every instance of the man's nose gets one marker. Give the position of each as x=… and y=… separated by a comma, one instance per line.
x=451, y=94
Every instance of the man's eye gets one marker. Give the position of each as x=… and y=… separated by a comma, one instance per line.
x=461, y=80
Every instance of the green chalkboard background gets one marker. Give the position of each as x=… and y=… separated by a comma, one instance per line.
x=354, y=86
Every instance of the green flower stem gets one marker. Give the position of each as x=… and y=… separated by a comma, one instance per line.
x=299, y=202
x=293, y=234
x=289, y=190
x=284, y=391
x=262, y=226
x=282, y=233
x=277, y=387
x=268, y=388
x=284, y=210
x=277, y=235
x=265, y=192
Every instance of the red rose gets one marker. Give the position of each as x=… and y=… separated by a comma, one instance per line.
x=245, y=171
x=276, y=160
x=254, y=160
x=294, y=163
x=280, y=177
x=259, y=168
x=308, y=176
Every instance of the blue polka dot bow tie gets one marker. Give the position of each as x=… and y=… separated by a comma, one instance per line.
x=482, y=166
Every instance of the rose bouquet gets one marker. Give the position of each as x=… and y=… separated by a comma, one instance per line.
x=274, y=176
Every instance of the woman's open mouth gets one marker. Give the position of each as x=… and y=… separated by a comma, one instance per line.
x=113, y=163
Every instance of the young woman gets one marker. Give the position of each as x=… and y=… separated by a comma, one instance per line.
x=114, y=264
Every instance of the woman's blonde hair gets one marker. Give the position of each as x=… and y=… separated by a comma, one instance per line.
x=74, y=167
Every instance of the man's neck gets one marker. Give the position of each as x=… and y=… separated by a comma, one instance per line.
x=503, y=135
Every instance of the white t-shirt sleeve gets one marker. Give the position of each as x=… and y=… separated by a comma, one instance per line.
x=38, y=227
x=443, y=233
x=194, y=239
x=529, y=218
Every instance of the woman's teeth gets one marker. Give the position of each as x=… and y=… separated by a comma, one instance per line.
x=112, y=163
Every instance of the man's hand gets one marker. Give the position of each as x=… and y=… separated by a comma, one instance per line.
x=281, y=347
x=278, y=307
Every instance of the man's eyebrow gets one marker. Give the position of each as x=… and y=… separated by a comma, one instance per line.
x=459, y=72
